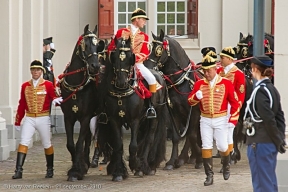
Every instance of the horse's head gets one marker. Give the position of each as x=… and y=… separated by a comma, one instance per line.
x=122, y=60
x=88, y=48
x=244, y=47
x=167, y=54
x=160, y=50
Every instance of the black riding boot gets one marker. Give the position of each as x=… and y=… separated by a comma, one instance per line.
x=49, y=165
x=226, y=167
x=19, y=163
x=95, y=158
x=151, y=112
x=208, y=167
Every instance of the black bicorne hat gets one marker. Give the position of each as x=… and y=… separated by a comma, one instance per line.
x=37, y=64
x=262, y=60
x=228, y=52
x=47, y=41
x=139, y=13
x=205, y=50
x=208, y=62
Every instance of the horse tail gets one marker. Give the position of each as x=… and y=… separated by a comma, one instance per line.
x=104, y=139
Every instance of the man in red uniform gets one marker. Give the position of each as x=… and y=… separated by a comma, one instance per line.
x=35, y=100
x=214, y=93
x=140, y=47
x=237, y=77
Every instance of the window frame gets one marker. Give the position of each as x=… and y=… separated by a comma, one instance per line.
x=128, y=21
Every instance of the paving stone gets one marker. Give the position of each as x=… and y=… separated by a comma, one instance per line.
x=185, y=178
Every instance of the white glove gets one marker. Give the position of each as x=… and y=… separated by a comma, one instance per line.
x=57, y=101
x=199, y=94
x=52, y=46
x=17, y=127
x=231, y=126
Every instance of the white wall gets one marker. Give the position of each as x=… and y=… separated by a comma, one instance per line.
x=24, y=25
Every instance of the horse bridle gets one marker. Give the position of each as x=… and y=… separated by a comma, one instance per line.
x=82, y=55
x=87, y=76
x=122, y=57
x=159, y=52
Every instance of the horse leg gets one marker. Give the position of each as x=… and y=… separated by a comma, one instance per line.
x=174, y=155
x=133, y=146
x=117, y=165
x=87, y=149
x=184, y=157
x=79, y=167
x=69, y=128
x=148, y=141
x=158, y=148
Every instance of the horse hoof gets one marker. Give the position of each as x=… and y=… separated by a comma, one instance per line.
x=139, y=174
x=181, y=162
x=168, y=167
x=117, y=178
x=72, y=179
x=152, y=172
x=198, y=166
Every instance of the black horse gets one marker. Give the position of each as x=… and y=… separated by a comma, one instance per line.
x=79, y=92
x=170, y=58
x=124, y=105
x=244, y=49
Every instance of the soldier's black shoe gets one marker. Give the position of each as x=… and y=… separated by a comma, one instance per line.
x=226, y=167
x=151, y=113
x=49, y=172
x=208, y=167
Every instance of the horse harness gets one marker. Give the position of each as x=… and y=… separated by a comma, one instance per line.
x=87, y=76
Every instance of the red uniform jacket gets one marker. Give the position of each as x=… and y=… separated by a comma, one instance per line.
x=35, y=102
x=215, y=100
x=139, y=43
x=237, y=77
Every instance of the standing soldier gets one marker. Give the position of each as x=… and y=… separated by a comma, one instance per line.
x=237, y=77
x=48, y=53
x=214, y=93
x=140, y=47
x=35, y=100
x=268, y=123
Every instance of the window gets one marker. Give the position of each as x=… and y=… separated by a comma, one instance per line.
x=178, y=18
x=124, y=10
x=171, y=17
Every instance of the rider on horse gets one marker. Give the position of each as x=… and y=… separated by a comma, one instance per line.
x=140, y=47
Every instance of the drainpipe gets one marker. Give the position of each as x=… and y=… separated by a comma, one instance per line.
x=258, y=27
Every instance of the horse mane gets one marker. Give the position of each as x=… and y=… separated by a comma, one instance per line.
x=177, y=52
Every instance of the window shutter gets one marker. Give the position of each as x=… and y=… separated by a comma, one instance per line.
x=192, y=18
x=106, y=18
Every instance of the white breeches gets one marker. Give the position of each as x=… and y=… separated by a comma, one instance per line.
x=146, y=73
x=230, y=130
x=93, y=125
x=42, y=125
x=216, y=128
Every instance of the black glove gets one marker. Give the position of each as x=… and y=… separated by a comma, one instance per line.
x=281, y=148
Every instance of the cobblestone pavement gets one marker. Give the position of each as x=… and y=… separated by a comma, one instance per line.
x=183, y=179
